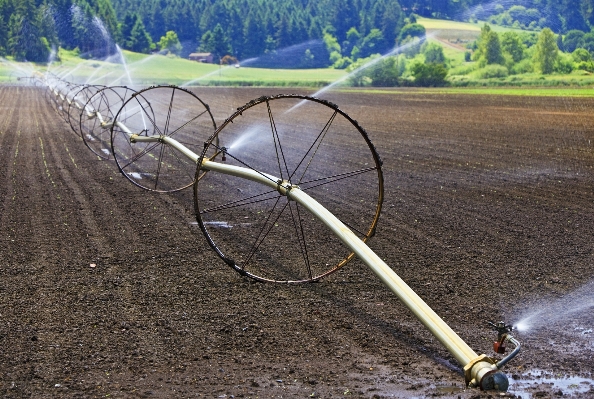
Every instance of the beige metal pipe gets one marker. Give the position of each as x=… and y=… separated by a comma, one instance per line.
x=454, y=344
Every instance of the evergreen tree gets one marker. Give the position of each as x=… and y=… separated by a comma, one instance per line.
x=572, y=40
x=552, y=19
x=140, y=41
x=3, y=36
x=25, y=35
x=254, y=37
x=391, y=23
x=128, y=23
x=216, y=42
x=587, y=11
x=344, y=17
x=156, y=21
x=573, y=19
x=283, y=34
x=546, y=52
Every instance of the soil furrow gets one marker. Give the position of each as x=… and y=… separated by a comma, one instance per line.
x=481, y=218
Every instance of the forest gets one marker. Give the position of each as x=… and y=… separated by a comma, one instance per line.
x=290, y=33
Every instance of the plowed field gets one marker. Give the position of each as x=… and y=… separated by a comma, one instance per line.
x=110, y=291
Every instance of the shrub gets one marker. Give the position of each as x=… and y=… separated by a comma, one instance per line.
x=492, y=71
x=464, y=69
x=433, y=53
x=564, y=64
x=585, y=66
x=524, y=66
x=581, y=54
x=385, y=73
x=429, y=74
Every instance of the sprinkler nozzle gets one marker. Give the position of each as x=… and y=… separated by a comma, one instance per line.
x=504, y=336
x=224, y=150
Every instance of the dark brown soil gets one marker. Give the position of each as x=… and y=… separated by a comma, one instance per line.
x=488, y=214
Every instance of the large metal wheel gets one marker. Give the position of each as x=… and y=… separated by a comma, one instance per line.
x=96, y=119
x=51, y=94
x=165, y=111
x=76, y=106
x=68, y=94
x=307, y=142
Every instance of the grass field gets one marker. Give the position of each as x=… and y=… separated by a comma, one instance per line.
x=158, y=69
x=502, y=91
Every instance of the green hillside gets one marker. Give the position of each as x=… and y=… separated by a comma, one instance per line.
x=145, y=70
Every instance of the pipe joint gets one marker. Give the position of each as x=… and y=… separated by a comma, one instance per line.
x=284, y=186
x=483, y=373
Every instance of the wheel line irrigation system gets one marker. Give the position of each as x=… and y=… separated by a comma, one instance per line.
x=119, y=123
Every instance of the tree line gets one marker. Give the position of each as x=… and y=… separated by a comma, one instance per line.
x=252, y=28
x=30, y=29
x=294, y=33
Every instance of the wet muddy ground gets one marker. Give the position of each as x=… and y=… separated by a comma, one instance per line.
x=110, y=291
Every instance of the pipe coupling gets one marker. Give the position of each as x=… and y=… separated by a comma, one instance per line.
x=483, y=373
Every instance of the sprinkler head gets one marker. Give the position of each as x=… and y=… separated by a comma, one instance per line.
x=502, y=331
x=501, y=328
x=224, y=157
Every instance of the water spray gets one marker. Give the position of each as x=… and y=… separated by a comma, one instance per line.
x=164, y=139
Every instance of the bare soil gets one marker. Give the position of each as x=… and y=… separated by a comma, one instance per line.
x=109, y=291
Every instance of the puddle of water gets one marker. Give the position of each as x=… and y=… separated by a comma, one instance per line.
x=135, y=175
x=221, y=225
x=536, y=378
x=449, y=389
x=583, y=331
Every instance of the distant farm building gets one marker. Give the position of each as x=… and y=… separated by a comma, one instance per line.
x=202, y=57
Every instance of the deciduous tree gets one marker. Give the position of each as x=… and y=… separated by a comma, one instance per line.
x=546, y=52
x=170, y=42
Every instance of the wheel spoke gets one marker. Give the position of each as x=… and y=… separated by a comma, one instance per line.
x=169, y=113
x=159, y=163
x=336, y=178
x=240, y=202
x=277, y=144
x=187, y=123
x=319, y=139
x=151, y=120
x=301, y=237
x=183, y=166
x=168, y=169
x=257, y=244
x=136, y=157
x=246, y=165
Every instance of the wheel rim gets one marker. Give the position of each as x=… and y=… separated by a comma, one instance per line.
x=104, y=102
x=164, y=111
x=257, y=231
